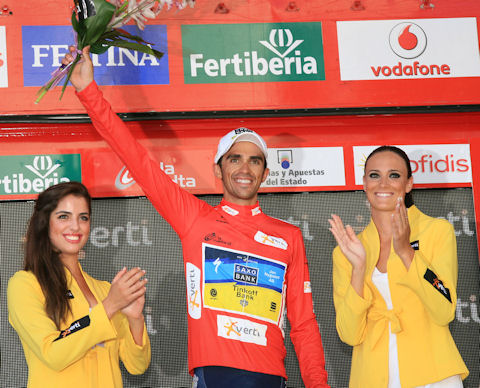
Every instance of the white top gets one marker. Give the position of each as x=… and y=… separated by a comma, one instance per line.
x=380, y=280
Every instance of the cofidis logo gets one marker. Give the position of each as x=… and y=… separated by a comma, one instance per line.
x=404, y=49
x=430, y=163
x=45, y=46
x=31, y=174
x=228, y=53
x=3, y=59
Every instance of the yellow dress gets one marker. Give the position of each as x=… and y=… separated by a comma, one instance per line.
x=86, y=352
x=424, y=301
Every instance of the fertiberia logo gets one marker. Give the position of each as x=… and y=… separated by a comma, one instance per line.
x=274, y=52
x=30, y=174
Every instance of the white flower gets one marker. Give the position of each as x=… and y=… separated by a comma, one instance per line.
x=139, y=11
x=142, y=10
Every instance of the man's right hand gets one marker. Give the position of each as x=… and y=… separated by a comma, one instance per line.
x=82, y=74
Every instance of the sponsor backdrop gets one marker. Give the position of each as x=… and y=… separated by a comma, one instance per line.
x=305, y=154
x=257, y=55
x=130, y=232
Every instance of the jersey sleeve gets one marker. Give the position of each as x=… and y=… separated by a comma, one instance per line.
x=175, y=204
x=57, y=349
x=304, y=332
x=350, y=308
x=433, y=272
x=136, y=358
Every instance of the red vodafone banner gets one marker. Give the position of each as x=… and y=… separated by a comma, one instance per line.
x=250, y=55
x=305, y=153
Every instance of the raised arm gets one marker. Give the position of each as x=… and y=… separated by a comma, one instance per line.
x=176, y=205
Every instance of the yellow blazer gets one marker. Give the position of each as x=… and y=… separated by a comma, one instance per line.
x=424, y=301
x=86, y=352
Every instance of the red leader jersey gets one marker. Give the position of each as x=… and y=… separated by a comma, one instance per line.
x=243, y=269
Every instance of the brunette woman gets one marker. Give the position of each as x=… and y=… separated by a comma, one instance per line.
x=74, y=328
x=395, y=285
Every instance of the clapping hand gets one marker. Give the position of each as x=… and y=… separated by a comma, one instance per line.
x=353, y=250
x=348, y=242
x=126, y=293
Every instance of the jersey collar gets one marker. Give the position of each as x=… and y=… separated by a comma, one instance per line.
x=239, y=210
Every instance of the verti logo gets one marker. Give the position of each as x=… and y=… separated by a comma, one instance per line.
x=26, y=174
x=241, y=330
x=408, y=40
x=227, y=53
x=273, y=241
x=3, y=58
x=194, y=299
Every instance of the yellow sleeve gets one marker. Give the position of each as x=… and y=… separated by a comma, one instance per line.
x=351, y=308
x=57, y=349
x=433, y=272
x=135, y=358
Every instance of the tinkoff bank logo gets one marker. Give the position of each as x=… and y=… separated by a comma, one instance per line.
x=275, y=52
x=45, y=46
x=29, y=174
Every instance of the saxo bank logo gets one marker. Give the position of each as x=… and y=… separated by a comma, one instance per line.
x=45, y=46
x=27, y=174
x=228, y=53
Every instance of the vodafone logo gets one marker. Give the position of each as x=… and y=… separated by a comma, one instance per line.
x=408, y=40
x=408, y=49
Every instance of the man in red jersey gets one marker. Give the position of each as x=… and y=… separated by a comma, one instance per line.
x=243, y=269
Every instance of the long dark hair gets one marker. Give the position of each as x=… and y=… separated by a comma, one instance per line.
x=406, y=159
x=40, y=256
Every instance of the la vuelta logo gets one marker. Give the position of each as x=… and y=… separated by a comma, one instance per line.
x=409, y=41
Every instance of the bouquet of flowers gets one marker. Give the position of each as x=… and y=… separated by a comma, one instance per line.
x=97, y=23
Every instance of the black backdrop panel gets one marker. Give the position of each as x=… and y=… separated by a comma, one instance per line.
x=130, y=232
